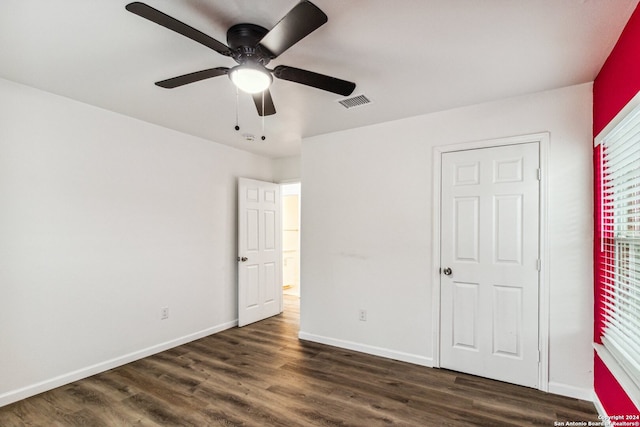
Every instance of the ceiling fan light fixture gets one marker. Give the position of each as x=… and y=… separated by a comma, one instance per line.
x=250, y=78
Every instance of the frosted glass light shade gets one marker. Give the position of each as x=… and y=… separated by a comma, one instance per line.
x=249, y=79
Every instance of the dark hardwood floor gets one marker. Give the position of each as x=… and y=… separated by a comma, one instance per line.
x=262, y=375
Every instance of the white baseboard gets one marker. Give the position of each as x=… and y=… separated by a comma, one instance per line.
x=601, y=411
x=31, y=390
x=571, y=391
x=368, y=349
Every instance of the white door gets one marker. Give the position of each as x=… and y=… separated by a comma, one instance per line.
x=259, y=253
x=489, y=263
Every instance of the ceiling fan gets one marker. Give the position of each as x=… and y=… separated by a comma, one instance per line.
x=253, y=47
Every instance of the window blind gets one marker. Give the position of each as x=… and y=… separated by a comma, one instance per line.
x=620, y=240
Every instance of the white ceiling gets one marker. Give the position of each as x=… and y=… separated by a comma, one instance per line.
x=409, y=57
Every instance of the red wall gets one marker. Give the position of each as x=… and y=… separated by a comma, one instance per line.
x=619, y=78
x=615, y=85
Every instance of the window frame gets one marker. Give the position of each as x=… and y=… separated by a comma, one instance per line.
x=608, y=268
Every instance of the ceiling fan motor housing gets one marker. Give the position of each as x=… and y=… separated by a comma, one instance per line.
x=244, y=40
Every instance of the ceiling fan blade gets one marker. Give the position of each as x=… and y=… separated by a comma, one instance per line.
x=192, y=77
x=301, y=21
x=167, y=21
x=269, y=108
x=319, y=81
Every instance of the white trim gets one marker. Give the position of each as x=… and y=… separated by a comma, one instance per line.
x=619, y=373
x=46, y=385
x=622, y=114
x=435, y=250
x=602, y=413
x=571, y=391
x=544, y=309
x=543, y=140
x=368, y=349
x=290, y=188
x=288, y=181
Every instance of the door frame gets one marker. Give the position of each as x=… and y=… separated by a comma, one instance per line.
x=543, y=140
x=282, y=195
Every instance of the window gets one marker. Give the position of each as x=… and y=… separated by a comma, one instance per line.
x=619, y=261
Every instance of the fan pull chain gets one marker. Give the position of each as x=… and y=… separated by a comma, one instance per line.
x=263, y=137
x=237, y=112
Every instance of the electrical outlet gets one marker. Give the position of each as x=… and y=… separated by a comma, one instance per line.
x=164, y=313
x=362, y=315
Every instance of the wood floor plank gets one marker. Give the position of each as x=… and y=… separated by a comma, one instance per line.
x=100, y=405
x=247, y=404
x=263, y=375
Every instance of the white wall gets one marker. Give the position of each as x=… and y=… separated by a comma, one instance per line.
x=367, y=221
x=286, y=169
x=104, y=220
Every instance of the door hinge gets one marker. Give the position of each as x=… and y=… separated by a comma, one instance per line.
x=538, y=356
x=539, y=174
x=538, y=264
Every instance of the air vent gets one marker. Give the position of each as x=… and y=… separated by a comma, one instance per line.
x=355, y=101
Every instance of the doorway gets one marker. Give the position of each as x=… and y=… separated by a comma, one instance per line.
x=491, y=301
x=291, y=194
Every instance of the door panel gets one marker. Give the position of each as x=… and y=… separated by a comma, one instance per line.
x=467, y=228
x=270, y=289
x=252, y=291
x=270, y=230
x=508, y=229
x=252, y=216
x=507, y=327
x=465, y=315
x=490, y=228
x=259, y=253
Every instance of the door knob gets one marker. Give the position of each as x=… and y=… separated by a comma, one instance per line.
x=243, y=259
x=447, y=271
